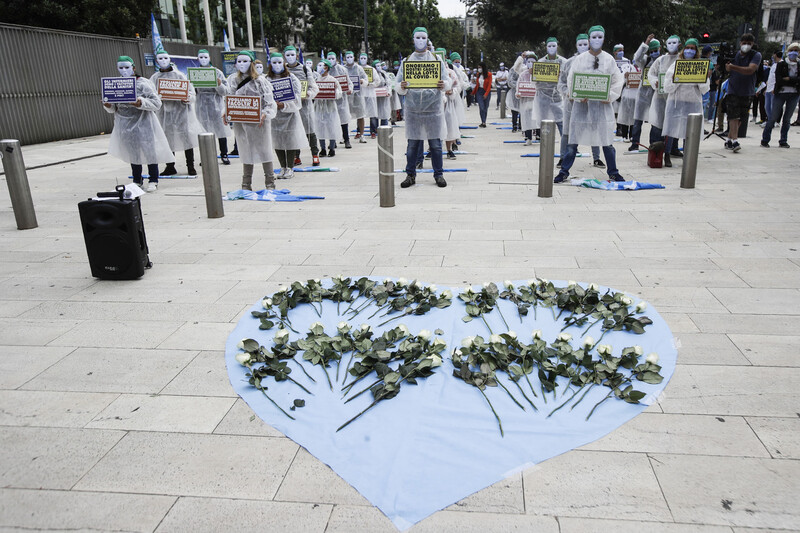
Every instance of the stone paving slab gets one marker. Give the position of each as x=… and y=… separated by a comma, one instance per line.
x=116, y=412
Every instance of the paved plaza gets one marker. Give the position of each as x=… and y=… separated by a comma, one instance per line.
x=117, y=413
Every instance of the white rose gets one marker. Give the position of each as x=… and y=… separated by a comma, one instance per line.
x=404, y=330
x=594, y=287
x=424, y=334
x=365, y=327
x=508, y=284
x=316, y=280
x=625, y=300
x=588, y=342
x=281, y=336
x=571, y=283
x=536, y=334
x=566, y=337
x=457, y=351
x=447, y=295
x=437, y=361
x=283, y=288
x=240, y=344
x=339, y=277
x=638, y=350
x=402, y=281
x=243, y=358
x=266, y=303
x=512, y=334
x=495, y=338
x=343, y=325
x=387, y=280
x=315, y=324
x=416, y=283
x=652, y=358
x=641, y=306
x=469, y=290
x=432, y=288
x=439, y=344
x=604, y=349
x=533, y=282
x=466, y=342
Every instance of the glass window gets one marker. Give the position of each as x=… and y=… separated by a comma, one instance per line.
x=778, y=20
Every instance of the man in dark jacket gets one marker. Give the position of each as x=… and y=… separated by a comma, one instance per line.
x=786, y=95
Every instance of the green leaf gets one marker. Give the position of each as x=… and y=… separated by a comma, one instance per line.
x=466, y=318
x=299, y=403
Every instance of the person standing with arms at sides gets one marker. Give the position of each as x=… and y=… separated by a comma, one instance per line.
x=288, y=134
x=710, y=99
x=655, y=76
x=682, y=99
x=255, y=140
x=592, y=121
x=383, y=104
x=326, y=113
x=501, y=82
x=305, y=75
x=394, y=98
x=483, y=91
x=342, y=105
x=741, y=88
x=627, y=102
x=368, y=90
x=356, y=101
x=463, y=78
x=452, y=106
x=424, y=114
x=137, y=137
x=786, y=94
x=524, y=65
x=548, y=104
x=178, y=118
x=769, y=92
x=512, y=100
x=211, y=106
x=643, y=59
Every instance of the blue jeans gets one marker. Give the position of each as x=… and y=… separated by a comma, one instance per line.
x=608, y=151
x=655, y=134
x=636, y=131
x=483, y=104
x=711, y=105
x=414, y=152
x=565, y=143
x=152, y=170
x=780, y=100
x=373, y=124
x=768, y=99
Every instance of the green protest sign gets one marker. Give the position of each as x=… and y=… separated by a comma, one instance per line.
x=202, y=77
x=590, y=86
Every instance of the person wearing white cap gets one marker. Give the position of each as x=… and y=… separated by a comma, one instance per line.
x=501, y=83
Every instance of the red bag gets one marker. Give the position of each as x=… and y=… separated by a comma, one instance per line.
x=655, y=155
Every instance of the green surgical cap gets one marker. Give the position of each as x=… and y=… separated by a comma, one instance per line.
x=161, y=51
x=332, y=54
x=363, y=54
x=247, y=53
x=618, y=47
x=581, y=37
x=348, y=52
x=376, y=62
x=455, y=56
x=419, y=29
x=326, y=62
x=449, y=61
x=551, y=40
x=692, y=41
x=290, y=48
x=443, y=50
x=674, y=37
x=595, y=28
x=203, y=51
x=276, y=54
x=655, y=43
x=396, y=63
x=122, y=59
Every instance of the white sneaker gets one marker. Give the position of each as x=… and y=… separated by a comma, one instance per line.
x=151, y=187
x=289, y=174
x=362, y=140
x=528, y=142
x=282, y=174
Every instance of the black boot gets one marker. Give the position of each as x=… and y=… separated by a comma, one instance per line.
x=190, y=170
x=667, y=161
x=169, y=170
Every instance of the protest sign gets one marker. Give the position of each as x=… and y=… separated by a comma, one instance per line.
x=526, y=89
x=381, y=92
x=691, y=70
x=661, y=83
x=282, y=89
x=590, y=86
x=202, y=77
x=246, y=109
x=356, y=83
x=303, y=89
x=343, y=79
x=547, y=72
x=327, y=90
x=171, y=89
x=229, y=62
x=633, y=79
x=645, y=80
x=119, y=90
x=422, y=74
x=369, y=72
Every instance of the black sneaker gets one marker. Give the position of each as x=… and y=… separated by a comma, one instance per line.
x=323, y=153
x=451, y=155
x=676, y=153
x=408, y=182
x=235, y=152
x=783, y=144
x=634, y=148
x=225, y=160
x=331, y=152
x=728, y=145
x=735, y=147
x=558, y=165
x=560, y=178
x=764, y=144
x=599, y=164
x=616, y=177
x=419, y=165
x=347, y=143
x=440, y=181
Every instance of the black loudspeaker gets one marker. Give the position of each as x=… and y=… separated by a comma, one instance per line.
x=114, y=233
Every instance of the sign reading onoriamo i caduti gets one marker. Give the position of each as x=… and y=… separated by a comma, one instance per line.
x=171, y=89
x=546, y=72
x=691, y=70
x=590, y=86
x=119, y=90
x=245, y=109
x=202, y=76
x=422, y=74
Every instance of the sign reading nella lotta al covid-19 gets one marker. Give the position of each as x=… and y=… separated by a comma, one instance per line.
x=691, y=70
x=422, y=74
x=119, y=90
x=545, y=72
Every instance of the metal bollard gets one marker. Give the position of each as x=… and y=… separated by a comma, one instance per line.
x=213, y=190
x=547, y=151
x=691, y=149
x=386, y=165
x=502, y=104
x=18, y=188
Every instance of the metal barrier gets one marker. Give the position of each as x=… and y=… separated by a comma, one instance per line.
x=386, y=165
x=211, y=185
x=18, y=188
x=547, y=151
x=691, y=149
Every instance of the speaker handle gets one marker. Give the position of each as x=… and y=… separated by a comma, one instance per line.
x=120, y=192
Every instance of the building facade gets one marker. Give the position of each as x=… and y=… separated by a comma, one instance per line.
x=781, y=20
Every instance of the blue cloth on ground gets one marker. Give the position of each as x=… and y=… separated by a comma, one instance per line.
x=438, y=441
x=269, y=195
x=579, y=154
x=430, y=170
x=468, y=127
x=630, y=185
x=311, y=169
x=173, y=177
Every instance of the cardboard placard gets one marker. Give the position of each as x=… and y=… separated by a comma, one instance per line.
x=327, y=90
x=202, y=76
x=119, y=90
x=343, y=79
x=370, y=73
x=245, y=109
x=381, y=92
x=170, y=89
x=422, y=74
x=590, y=86
x=440, y=55
x=661, y=83
x=304, y=89
x=526, y=89
x=633, y=79
x=356, y=83
x=645, y=80
x=229, y=62
x=691, y=70
x=282, y=89
x=546, y=72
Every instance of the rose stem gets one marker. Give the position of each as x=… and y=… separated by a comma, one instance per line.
x=359, y=414
x=261, y=388
x=509, y=393
x=598, y=403
x=582, y=397
x=500, y=424
x=379, y=310
x=304, y=370
x=565, y=403
x=296, y=383
x=530, y=385
x=487, y=325
x=501, y=315
x=524, y=395
x=590, y=326
x=362, y=392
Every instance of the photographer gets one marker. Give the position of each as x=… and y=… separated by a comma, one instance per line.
x=741, y=88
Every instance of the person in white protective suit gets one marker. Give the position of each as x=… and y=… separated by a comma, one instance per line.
x=523, y=66
x=682, y=99
x=368, y=90
x=424, y=114
x=383, y=104
x=592, y=121
x=581, y=46
x=211, y=105
x=394, y=98
x=643, y=58
x=356, y=100
x=453, y=110
x=288, y=133
x=255, y=140
x=658, y=105
x=306, y=75
x=512, y=100
x=326, y=112
x=137, y=137
x=627, y=102
x=178, y=118
x=548, y=104
x=339, y=72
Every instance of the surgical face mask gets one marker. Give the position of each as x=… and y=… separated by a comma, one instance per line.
x=654, y=54
x=582, y=45
x=792, y=56
x=552, y=49
x=420, y=41
x=746, y=48
x=502, y=67
x=162, y=60
x=291, y=57
x=457, y=64
x=125, y=69
x=321, y=68
x=672, y=46
x=260, y=68
x=277, y=65
x=204, y=60
x=332, y=59
x=349, y=58
x=362, y=60
x=596, y=40
x=689, y=53
x=243, y=64
x=480, y=71
x=620, y=54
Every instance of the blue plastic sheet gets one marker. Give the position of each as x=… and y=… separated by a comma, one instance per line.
x=615, y=185
x=269, y=195
x=579, y=154
x=430, y=170
x=437, y=442
x=311, y=169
